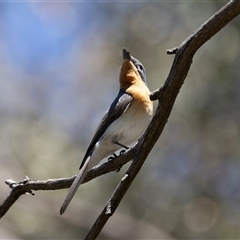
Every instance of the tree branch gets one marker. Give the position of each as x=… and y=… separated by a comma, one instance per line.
x=27, y=185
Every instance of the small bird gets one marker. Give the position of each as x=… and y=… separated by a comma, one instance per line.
x=123, y=123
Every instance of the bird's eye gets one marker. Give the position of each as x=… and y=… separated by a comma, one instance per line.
x=140, y=67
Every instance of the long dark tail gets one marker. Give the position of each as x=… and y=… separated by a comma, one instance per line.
x=72, y=190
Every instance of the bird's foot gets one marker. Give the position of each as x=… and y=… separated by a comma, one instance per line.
x=114, y=156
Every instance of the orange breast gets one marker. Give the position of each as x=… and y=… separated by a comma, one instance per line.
x=141, y=101
x=131, y=82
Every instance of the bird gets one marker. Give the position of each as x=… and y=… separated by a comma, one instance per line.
x=123, y=123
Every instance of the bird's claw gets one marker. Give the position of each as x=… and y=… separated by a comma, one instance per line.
x=112, y=157
x=122, y=152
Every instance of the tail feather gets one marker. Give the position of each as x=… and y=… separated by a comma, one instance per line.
x=72, y=190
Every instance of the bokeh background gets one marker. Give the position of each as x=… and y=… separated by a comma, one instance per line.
x=59, y=66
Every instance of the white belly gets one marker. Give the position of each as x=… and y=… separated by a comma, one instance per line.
x=125, y=130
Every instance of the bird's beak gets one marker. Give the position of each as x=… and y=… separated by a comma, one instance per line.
x=126, y=54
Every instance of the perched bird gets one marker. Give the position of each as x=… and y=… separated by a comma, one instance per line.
x=123, y=123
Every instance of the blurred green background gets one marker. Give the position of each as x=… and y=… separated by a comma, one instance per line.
x=59, y=66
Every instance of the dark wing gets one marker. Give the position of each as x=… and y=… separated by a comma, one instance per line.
x=117, y=108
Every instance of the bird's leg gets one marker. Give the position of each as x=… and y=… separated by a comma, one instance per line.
x=121, y=152
x=121, y=145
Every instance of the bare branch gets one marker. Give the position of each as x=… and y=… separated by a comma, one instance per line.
x=28, y=185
